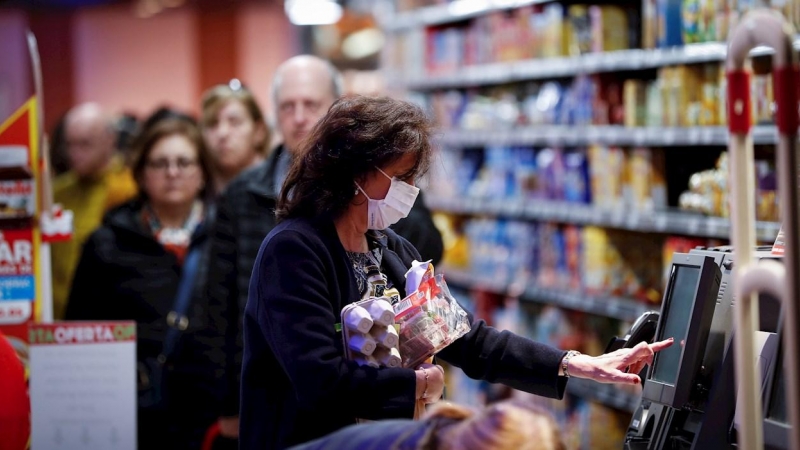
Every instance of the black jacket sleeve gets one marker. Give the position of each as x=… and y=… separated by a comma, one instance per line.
x=420, y=230
x=486, y=353
x=223, y=304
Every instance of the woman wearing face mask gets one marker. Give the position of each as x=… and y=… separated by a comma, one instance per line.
x=354, y=178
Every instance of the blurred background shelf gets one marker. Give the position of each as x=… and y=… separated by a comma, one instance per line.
x=672, y=222
x=602, y=305
x=557, y=67
x=453, y=12
x=601, y=134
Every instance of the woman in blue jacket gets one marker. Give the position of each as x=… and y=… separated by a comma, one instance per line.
x=353, y=180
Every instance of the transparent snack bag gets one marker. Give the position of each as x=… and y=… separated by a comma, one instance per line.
x=430, y=319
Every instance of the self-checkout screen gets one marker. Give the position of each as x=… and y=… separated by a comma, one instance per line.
x=676, y=322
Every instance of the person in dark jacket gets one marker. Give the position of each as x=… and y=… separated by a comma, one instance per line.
x=354, y=178
x=303, y=89
x=130, y=269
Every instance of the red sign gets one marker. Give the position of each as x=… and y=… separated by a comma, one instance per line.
x=19, y=247
x=16, y=252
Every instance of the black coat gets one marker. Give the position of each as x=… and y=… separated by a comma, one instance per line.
x=125, y=274
x=296, y=384
x=245, y=215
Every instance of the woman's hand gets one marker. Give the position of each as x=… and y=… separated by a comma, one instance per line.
x=430, y=382
x=620, y=366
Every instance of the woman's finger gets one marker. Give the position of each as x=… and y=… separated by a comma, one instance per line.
x=661, y=345
x=636, y=367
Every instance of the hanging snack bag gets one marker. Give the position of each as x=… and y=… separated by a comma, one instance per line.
x=430, y=318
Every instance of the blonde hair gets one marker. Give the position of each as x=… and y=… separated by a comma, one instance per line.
x=218, y=96
x=506, y=425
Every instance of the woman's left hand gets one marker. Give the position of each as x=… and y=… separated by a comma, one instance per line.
x=620, y=366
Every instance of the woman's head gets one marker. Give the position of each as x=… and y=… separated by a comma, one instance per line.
x=170, y=162
x=233, y=127
x=505, y=425
x=348, y=148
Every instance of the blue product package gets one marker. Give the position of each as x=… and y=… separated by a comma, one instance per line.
x=525, y=172
x=670, y=14
x=550, y=163
x=577, y=184
x=471, y=162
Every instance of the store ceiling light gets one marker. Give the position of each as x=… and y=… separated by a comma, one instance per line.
x=363, y=43
x=313, y=12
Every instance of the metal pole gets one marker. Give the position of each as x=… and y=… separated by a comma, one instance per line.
x=768, y=28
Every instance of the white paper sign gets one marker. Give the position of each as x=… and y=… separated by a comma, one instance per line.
x=83, y=386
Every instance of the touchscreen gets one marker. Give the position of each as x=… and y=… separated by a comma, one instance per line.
x=679, y=310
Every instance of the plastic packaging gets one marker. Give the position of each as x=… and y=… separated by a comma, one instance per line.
x=377, y=334
x=430, y=319
x=369, y=334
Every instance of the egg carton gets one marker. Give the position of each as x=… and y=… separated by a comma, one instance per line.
x=370, y=334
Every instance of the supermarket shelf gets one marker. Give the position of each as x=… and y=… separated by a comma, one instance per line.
x=534, y=69
x=452, y=12
x=601, y=305
x=670, y=222
x=606, y=394
x=598, y=134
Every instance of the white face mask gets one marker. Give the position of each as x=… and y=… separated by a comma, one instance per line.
x=381, y=214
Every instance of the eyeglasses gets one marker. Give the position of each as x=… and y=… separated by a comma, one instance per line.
x=163, y=165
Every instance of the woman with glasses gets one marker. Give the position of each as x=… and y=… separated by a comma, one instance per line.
x=144, y=264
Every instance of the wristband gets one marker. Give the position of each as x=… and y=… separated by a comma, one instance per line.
x=565, y=361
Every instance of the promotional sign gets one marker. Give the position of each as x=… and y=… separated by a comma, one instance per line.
x=83, y=385
x=20, y=239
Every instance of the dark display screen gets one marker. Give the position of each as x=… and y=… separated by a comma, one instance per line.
x=679, y=309
x=777, y=404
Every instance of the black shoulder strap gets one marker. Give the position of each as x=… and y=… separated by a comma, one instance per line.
x=177, y=321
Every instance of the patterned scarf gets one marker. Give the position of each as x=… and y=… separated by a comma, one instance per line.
x=174, y=240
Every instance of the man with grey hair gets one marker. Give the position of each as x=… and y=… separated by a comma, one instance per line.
x=303, y=89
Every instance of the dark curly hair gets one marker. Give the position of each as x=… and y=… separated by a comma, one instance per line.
x=357, y=135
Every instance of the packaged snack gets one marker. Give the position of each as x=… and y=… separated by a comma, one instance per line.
x=429, y=320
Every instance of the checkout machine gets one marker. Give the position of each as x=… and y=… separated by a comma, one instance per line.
x=689, y=392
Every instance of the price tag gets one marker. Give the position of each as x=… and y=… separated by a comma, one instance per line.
x=693, y=135
x=613, y=309
x=693, y=226
x=617, y=216
x=708, y=136
x=661, y=221
x=668, y=136
x=633, y=219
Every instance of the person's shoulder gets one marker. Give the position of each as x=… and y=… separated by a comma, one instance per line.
x=399, y=244
x=299, y=228
x=64, y=182
x=244, y=179
x=102, y=241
